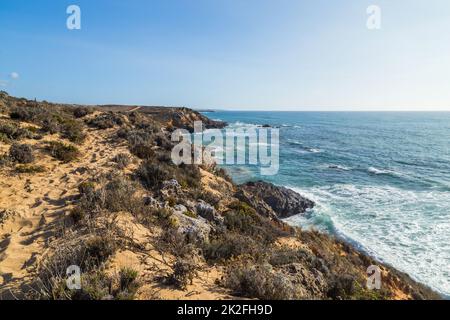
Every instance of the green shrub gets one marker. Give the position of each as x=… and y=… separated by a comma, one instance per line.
x=98, y=249
x=191, y=214
x=14, y=132
x=342, y=287
x=72, y=130
x=128, y=284
x=231, y=245
x=140, y=142
x=243, y=219
x=63, y=152
x=90, y=254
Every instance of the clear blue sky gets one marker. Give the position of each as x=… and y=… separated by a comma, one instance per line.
x=234, y=54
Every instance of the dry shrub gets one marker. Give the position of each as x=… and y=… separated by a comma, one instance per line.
x=21, y=153
x=106, y=121
x=119, y=194
x=123, y=160
x=260, y=281
x=31, y=112
x=184, y=270
x=81, y=112
x=128, y=284
x=10, y=131
x=30, y=169
x=4, y=160
x=152, y=174
x=89, y=252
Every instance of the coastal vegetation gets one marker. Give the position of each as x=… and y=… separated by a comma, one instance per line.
x=138, y=226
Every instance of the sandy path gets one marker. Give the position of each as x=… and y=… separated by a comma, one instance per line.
x=39, y=203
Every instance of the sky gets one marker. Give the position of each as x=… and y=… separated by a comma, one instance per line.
x=230, y=54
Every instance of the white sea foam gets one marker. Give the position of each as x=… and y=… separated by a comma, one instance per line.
x=378, y=171
x=400, y=227
x=338, y=167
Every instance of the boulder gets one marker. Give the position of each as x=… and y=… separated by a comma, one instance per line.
x=273, y=201
x=195, y=229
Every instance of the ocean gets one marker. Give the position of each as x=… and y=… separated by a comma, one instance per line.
x=381, y=180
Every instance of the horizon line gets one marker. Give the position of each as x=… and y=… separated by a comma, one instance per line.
x=212, y=109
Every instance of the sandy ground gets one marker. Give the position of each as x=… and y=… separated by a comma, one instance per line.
x=38, y=203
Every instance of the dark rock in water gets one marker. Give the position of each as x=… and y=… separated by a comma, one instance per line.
x=273, y=201
x=266, y=126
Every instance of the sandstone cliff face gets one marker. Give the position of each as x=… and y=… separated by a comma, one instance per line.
x=273, y=201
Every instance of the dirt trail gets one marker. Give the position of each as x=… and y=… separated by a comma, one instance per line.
x=37, y=203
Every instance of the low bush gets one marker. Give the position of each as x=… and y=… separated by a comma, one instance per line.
x=89, y=253
x=230, y=245
x=21, y=153
x=63, y=152
x=31, y=112
x=243, y=219
x=260, y=281
x=29, y=169
x=284, y=256
x=106, y=121
x=14, y=132
x=128, y=284
x=153, y=174
x=72, y=130
x=86, y=187
x=120, y=195
x=51, y=125
x=184, y=270
x=123, y=160
x=342, y=287
x=173, y=242
x=4, y=160
x=81, y=112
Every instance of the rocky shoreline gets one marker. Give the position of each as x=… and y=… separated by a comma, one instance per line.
x=94, y=186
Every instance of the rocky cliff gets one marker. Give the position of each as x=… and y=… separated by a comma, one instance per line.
x=94, y=186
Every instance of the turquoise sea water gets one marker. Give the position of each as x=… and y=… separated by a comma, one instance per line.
x=380, y=180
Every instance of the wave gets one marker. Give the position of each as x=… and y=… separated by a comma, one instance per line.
x=338, y=167
x=239, y=124
x=407, y=229
x=376, y=171
x=303, y=147
x=294, y=142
